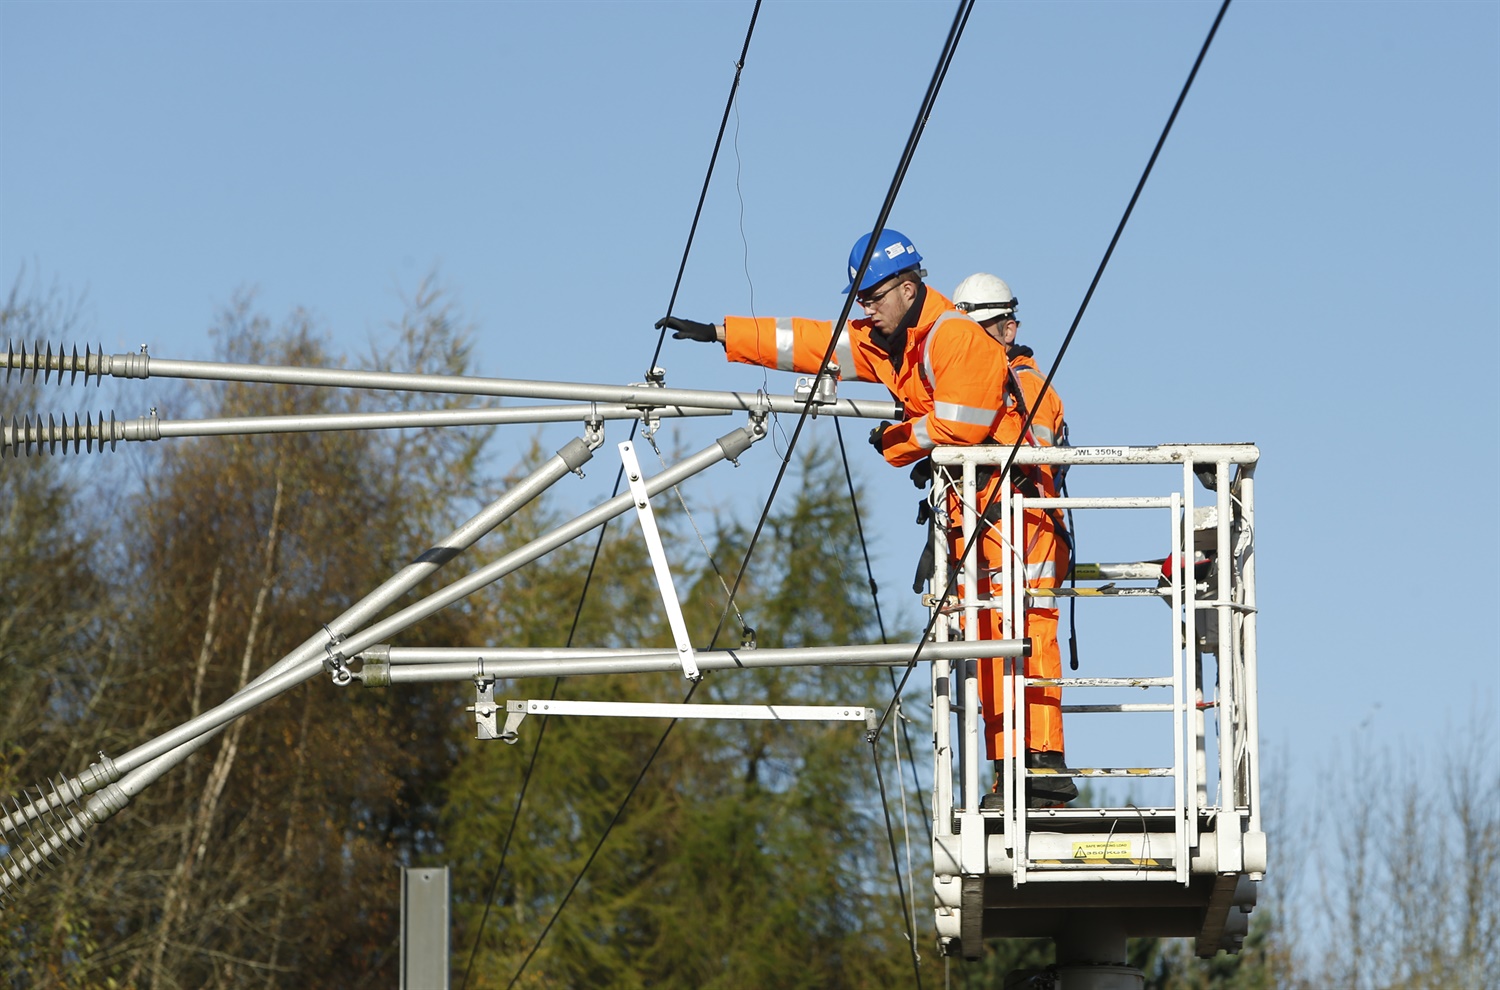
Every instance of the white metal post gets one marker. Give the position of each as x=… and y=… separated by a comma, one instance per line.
x=1184, y=812
x=973, y=726
x=1014, y=627
x=1250, y=687
x=659, y=561
x=942, y=670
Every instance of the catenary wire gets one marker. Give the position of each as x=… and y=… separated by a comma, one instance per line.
x=945, y=59
x=614, y=819
x=890, y=832
x=954, y=33
x=739, y=66
x=859, y=528
x=1068, y=339
x=734, y=87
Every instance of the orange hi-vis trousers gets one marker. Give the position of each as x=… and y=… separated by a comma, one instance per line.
x=1046, y=566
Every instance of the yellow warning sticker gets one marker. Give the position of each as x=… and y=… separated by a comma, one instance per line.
x=1101, y=850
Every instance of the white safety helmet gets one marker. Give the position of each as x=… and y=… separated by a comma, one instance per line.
x=983, y=297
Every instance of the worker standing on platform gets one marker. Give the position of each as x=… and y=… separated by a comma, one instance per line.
x=989, y=301
x=947, y=374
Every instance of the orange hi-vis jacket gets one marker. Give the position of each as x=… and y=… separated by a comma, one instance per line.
x=951, y=379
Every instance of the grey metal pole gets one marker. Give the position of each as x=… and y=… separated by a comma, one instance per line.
x=144, y=366
x=570, y=457
x=290, y=671
x=410, y=665
x=144, y=764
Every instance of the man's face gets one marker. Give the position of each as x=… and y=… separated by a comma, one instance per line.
x=886, y=302
x=1002, y=328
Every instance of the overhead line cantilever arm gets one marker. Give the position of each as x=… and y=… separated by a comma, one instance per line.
x=145, y=763
x=726, y=447
x=571, y=457
x=24, y=435
x=404, y=665
x=145, y=366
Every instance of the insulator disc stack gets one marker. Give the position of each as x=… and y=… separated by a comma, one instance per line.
x=37, y=364
x=24, y=434
x=33, y=848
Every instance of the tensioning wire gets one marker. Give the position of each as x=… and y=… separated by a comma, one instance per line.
x=955, y=32
x=880, y=621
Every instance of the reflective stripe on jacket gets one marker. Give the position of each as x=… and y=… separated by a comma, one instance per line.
x=951, y=381
x=1046, y=426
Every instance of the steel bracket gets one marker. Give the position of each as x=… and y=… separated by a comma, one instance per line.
x=659, y=562
x=484, y=710
x=515, y=714
x=819, y=390
x=650, y=418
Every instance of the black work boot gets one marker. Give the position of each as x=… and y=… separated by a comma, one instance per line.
x=1048, y=791
x=995, y=799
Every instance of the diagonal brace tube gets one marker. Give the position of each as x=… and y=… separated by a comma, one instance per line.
x=571, y=457
x=291, y=671
x=659, y=561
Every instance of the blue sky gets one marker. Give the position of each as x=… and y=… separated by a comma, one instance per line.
x=1313, y=266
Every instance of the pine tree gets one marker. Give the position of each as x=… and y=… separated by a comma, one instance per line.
x=753, y=853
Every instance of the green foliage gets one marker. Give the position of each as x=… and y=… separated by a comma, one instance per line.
x=752, y=854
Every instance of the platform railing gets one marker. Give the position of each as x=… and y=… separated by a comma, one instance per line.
x=1213, y=616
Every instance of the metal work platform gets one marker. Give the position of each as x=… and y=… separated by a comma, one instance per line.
x=1184, y=867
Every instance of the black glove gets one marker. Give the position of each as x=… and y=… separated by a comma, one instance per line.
x=877, y=436
x=921, y=472
x=927, y=561
x=689, y=329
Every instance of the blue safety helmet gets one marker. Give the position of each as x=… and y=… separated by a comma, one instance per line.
x=894, y=252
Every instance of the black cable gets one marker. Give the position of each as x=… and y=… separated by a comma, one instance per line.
x=1120, y=229
x=599, y=545
x=954, y=33
x=945, y=59
x=703, y=195
x=875, y=597
x=890, y=834
x=614, y=819
x=536, y=749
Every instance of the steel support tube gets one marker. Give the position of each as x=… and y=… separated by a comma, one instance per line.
x=402, y=665
x=145, y=366
x=570, y=457
x=328, y=422
x=1246, y=485
x=290, y=672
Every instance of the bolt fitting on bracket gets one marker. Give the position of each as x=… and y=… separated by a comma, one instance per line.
x=334, y=662
x=819, y=390
x=484, y=710
x=593, y=433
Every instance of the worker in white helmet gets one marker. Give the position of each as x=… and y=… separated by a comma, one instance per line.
x=988, y=301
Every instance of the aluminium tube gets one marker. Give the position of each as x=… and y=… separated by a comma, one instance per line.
x=145, y=366
x=321, y=422
x=465, y=665
x=289, y=672
x=570, y=457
